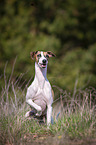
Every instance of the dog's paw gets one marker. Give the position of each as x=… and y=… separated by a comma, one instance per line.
x=39, y=109
x=39, y=113
x=27, y=114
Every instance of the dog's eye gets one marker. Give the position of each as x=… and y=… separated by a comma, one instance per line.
x=47, y=56
x=39, y=55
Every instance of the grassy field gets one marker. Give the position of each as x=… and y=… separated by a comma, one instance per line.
x=76, y=123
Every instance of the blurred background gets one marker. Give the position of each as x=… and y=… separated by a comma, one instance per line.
x=65, y=27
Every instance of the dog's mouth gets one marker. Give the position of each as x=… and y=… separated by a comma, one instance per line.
x=42, y=65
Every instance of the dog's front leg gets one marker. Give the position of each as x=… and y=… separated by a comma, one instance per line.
x=35, y=106
x=49, y=113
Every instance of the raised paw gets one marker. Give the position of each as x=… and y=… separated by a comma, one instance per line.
x=39, y=109
x=27, y=114
x=39, y=113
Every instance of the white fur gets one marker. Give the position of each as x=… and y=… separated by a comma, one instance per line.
x=39, y=92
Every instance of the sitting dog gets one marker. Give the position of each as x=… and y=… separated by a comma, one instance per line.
x=39, y=94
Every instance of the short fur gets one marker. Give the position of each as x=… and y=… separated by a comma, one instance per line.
x=39, y=93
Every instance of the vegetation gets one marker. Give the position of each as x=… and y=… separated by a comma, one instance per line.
x=77, y=118
x=65, y=27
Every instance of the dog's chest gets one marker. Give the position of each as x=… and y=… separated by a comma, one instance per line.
x=40, y=99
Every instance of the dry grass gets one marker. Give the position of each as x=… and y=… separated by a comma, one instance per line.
x=77, y=118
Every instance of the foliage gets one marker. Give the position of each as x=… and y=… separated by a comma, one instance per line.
x=65, y=27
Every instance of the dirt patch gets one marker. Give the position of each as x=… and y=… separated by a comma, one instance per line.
x=58, y=140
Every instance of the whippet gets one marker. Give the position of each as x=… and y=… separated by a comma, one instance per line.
x=39, y=94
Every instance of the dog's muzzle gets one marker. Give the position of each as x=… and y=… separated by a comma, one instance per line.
x=43, y=64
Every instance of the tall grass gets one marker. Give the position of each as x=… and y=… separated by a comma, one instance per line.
x=77, y=113
x=77, y=118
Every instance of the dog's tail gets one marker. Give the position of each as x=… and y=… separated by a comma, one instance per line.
x=52, y=120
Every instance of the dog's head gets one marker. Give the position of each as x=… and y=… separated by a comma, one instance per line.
x=42, y=57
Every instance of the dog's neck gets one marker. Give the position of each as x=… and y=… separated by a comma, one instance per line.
x=40, y=74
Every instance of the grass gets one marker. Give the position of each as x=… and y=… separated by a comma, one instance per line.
x=77, y=119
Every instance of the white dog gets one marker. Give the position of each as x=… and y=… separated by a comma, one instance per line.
x=39, y=94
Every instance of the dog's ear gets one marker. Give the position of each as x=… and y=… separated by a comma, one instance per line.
x=32, y=54
x=50, y=54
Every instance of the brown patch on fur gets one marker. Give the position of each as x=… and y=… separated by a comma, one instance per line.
x=45, y=53
x=51, y=54
x=34, y=54
x=39, y=52
x=52, y=93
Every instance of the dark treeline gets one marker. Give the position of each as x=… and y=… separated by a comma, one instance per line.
x=65, y=27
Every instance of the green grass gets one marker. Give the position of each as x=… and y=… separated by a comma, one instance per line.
x=77, y=119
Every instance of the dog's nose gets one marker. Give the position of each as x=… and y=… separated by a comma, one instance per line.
x=44, y=61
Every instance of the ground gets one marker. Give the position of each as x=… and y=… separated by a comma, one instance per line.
x=56, y=140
